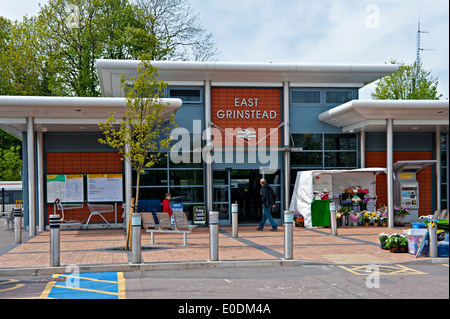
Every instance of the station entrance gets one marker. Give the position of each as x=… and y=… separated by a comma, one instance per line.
x=241, y=187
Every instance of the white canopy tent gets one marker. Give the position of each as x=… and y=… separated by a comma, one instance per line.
x=340, y=179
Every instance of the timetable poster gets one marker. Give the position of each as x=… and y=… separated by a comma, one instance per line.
x=67, y=188
x=105, y=188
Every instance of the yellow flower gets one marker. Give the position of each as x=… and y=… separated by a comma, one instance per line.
x=366, y=214
x=374, y=214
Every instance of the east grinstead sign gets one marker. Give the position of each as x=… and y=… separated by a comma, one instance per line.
x=249, y=114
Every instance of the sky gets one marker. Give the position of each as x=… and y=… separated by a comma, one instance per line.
x=323, y=31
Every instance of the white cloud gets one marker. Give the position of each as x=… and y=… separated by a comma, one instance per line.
x=325, y=31
x=329, y=31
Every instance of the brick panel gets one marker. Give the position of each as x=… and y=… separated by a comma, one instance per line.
x=257, y=108
x=426, y=197
x=85, y=163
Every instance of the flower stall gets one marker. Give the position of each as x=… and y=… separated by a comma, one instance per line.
x=353, y=188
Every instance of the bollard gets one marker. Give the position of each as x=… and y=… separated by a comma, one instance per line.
x=432, y=239
x=54, y=240
x=136, y=238
x=288, y=235
x=213, y=236
x=333, y=220
x=18, y=225
x=234, y=220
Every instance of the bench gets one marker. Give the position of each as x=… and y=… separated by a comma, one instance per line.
x=9, y=216
x=181, y=225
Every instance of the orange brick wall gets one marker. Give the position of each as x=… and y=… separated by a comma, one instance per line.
x=85, y=163
x=268, y=100
x=378, y=159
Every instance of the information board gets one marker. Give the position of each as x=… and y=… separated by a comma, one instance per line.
x=68, y=188
x=104, y=188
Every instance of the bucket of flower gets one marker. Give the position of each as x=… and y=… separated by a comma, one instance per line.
x=383, y=237
x=397, y=243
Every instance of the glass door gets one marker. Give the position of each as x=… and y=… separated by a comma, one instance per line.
x=221, y=195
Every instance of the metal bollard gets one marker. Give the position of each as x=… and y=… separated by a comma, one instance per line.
x=18, y=225
x=288, y=235
x=136, y=238
x=432, y=239
x=54, y=240
x=333, y=220
x=234, y=220
x=213, y=236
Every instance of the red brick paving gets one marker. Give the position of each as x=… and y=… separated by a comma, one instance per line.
x=105, y=247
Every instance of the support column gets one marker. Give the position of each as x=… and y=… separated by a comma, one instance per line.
x=390, y=170
x=128, y=188
x=40, y=171
x=438, y=168
x=287, y=153
x=362, y=155
x=31, y=177
x=208, y=162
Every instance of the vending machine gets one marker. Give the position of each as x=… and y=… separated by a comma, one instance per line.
x=406, y=186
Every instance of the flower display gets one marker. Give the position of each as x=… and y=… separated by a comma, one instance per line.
x=354, y=218
x=375, y=218
x=397, y=241
x=299, y=220
x=401, y=211
x=355, y=190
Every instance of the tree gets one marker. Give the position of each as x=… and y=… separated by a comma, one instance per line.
x=77, y=32
x=175, y=22
x=144, y=129
x=408, y=83
x=10, y=164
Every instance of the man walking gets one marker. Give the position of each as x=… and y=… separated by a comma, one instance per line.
x=268, y=201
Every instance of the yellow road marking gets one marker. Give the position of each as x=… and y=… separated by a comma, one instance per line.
x=90, y=290
x=11, y=281
x=84, y=278
x=388, y=270
x=122, y=286
x=48, y=288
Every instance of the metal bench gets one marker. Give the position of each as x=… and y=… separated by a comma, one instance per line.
x=164, y=226
x=98, y=209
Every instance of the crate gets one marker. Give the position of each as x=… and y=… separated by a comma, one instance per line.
x=442, y=248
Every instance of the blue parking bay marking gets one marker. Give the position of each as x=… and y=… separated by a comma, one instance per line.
x=109, y=285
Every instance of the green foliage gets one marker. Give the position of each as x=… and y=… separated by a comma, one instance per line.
x=10, y=164
x=54, y=53
x=408, y=83
x=144, y=130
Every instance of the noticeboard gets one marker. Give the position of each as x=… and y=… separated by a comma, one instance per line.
x=199, y=215
x=104, y=188
x=68, y=188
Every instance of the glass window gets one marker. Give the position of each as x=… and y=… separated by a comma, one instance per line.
x=186, y=177
x=222, y=209
x=338, y=96
x=152, y=178
x=220, y=194
x=305, y=96
x=340, y=159
x=307, y=159
x=152, y=193
x=187, y=95
x=308, y=141
x=345, y=142
x=186, y=194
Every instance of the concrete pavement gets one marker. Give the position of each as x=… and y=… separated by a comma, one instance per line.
x=103, y=250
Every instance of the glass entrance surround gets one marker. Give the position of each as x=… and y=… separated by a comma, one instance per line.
x=243, y=187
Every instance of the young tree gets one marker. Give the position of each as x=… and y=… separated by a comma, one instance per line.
x=144, y=130
x=410, y=82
